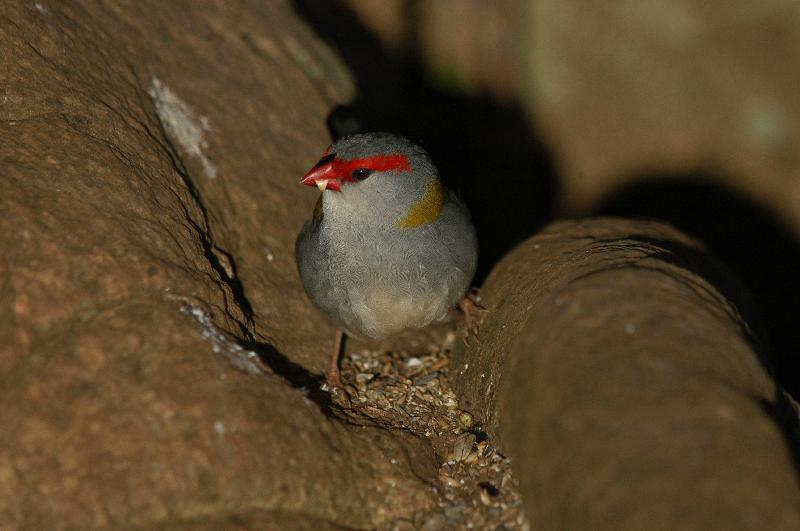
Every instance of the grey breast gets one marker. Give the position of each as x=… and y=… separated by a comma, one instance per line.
x=375, y=284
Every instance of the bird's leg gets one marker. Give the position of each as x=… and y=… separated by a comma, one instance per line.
x=474, y=313
x=334, y=376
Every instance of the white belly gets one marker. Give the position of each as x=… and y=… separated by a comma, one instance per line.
x=382, y=311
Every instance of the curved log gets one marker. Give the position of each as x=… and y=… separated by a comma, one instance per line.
x=623, y=380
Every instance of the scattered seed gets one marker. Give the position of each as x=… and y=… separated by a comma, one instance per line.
x=425, y=378
x=481, y=446
x=485, y=498
x=440, y=364
x=410, y=391
x=364, y=377
x=413, y=362
x=465, y=420
x=449, y=481
x=463, y=446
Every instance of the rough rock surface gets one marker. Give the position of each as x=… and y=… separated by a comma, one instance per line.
x=621, y=376
x=148, y=208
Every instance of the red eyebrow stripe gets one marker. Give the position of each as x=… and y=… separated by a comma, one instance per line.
x=343, y=168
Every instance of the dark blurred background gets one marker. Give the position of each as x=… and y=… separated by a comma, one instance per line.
x=682, y=111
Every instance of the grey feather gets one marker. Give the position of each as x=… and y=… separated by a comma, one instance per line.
x=370, y=277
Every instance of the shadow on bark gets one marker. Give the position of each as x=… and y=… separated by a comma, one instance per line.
x=756, y=245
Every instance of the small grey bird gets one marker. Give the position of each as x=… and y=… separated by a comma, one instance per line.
x=388, y=246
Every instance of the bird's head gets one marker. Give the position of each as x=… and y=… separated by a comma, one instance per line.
x=379, y=174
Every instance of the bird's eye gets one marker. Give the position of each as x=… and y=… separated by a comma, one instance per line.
x=360, y=174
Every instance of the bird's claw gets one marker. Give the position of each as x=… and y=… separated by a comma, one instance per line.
x=339, y=396
x=338, y=391
x=474, y=313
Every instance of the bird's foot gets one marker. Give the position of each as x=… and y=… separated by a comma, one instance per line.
x=474, y=313
x=339, y=396
x=337, y=389
x=333, y=378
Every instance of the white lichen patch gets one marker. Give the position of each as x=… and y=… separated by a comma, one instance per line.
x=244, y=360
x=181, y=124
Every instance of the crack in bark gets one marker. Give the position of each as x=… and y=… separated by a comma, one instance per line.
x=292, y=373
x=205, y=235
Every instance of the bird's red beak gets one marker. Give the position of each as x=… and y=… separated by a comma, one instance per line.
x=324, y=175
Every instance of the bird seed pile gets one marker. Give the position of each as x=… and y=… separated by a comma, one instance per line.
x=398, y=390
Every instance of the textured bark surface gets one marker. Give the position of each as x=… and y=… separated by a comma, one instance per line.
x=159, y=360
x=627, y=387
x=149, y=203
